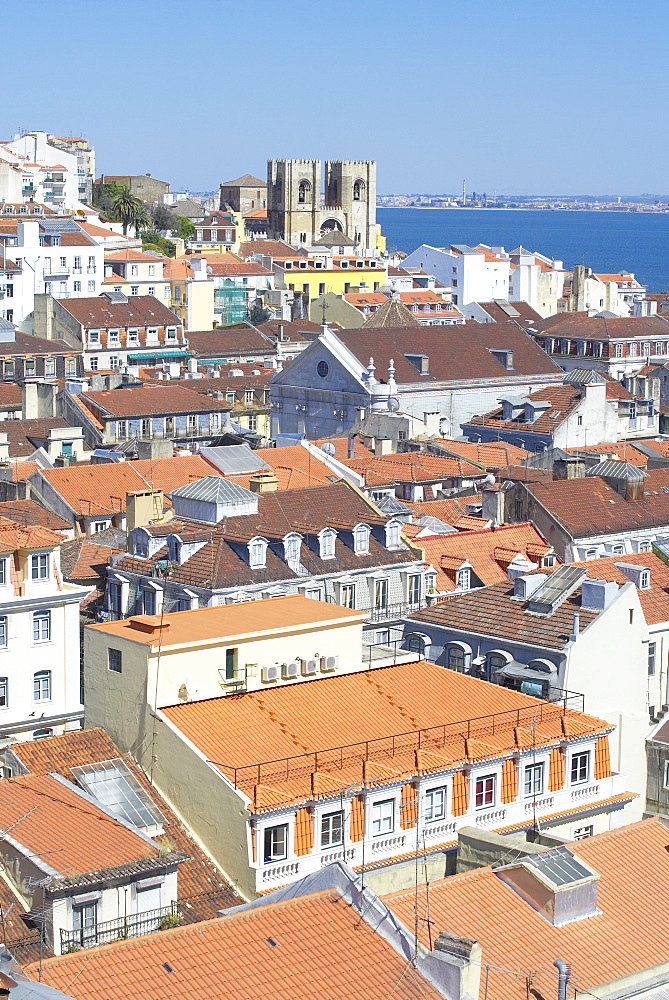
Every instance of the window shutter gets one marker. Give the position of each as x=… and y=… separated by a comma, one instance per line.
x=602, y=758
x=408, y=806
x=509, y=780
x=460, y=793
x=304, y=831
x=357, y=818
x=556, y=775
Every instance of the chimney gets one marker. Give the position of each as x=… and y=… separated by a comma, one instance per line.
x=350, y=450
x=576, y=628
x=597, y=595
x=263, y=482
x=493, y=505
x=279, y=335
x=39, y=400
x=634, y=490
x=143, y=508
x=464, y=956
x=150, y=624
x=570, y=467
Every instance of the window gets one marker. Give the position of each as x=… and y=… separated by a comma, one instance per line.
x=114, y=598
x=152, y=270
x=134, y=289
x=456, y=658
x=257, y=553
x=361, y=539
x=85, y=921
x=393, y=534
x=133, y=336
x=3, y=631
x=192, y=423
x=582, y=832
x=580, y=767
x=63, y=261
x=77, y=286
x=113, y=361
x=115, y=660
x=230, y=657
x=666, y=774
x=383, y=817
x=93, y=362
x=548, y=560
x=149, y=601
x=134, y=270
x=171, y=330
x=579, y=420
x=651, y=659
x=121, y=425
x=9, y=368
x=41, y=626
x=91, y=286
x=347, y=595
x=485, y=791
x=42, y=734
x=152, y=290
x=413, y=589
x=276, y=843
x=42, y=685
x=99, y=526
x=322, y=368
x=332, y=829
x=3, y=572
x=435, y=804
x=4, y=692
x=518, y=509
x=644, y=580
x=463, y=581
x=77, y=265
x=114, y=337
x=380, y=594
x=169, y=425
x=248, y=396
x=30, y=367
x=39, y=566
x=146, y=427
x=534, y=780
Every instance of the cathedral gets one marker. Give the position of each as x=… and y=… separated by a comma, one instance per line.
x=294, y=210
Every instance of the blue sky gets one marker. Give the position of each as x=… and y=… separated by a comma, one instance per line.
x=522, y=97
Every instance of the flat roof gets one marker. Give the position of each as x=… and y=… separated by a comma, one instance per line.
x=252, y=618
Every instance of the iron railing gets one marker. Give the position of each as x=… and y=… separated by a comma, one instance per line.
x=119, y=929
x=388, y=612
x=431, y=739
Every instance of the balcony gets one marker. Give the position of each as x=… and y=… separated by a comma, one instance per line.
x=390, y=612
x=120, y=929
x=54, y=272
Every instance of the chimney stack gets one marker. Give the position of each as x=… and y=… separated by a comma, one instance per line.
x=263, y=482
x=493, y=505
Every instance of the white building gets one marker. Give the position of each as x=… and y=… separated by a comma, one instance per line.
x=40, y=172
x=40, y=684
x=56, y=258
x=469, y=274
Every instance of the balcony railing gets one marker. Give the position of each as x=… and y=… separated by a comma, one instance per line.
x=120, y=929
x=388, y=612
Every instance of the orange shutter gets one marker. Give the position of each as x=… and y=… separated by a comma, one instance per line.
x=253, y=841
x=602, y=758
x=556, y=776
x=304, y=831
x=408, y=807
x=357, y=818
x=460, y=793
x=509, y=780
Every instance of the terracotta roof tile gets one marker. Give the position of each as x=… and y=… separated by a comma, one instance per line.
x=139, y=310
x=601, y=328
x=253, y=731
x=633, y=865
x=30, y=512
x=150, y=399
x=272, y=950
x=491, y=456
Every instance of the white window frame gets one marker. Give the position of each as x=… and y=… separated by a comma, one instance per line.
x=39, y=566
x=586, y=754
x=42, y=686
x=488, y=792
x=383, y=817
x=533, y=779
x=434, y=804
x=274, y=854
x=41, y=626
x=330, y=820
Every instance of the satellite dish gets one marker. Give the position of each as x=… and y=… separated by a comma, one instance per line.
x=328, y=448
x=393, y=404
x=490, y=479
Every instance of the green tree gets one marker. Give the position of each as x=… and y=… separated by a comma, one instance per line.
x=186, y=228
x=163, y=219
x=130, y=210
x=152, y=240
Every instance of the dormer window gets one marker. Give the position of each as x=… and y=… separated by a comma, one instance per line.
x=326, y=542
x=464, y=579
x=291, y=548
x=393, y=534
x=174, y=549
x=141, y=543
x=361, y=539
x=644, y=580
x=258, y=553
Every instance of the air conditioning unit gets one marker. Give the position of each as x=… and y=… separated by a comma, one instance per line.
x=270, y=675
x=310, y=667
x=290, y=670
x=329, y=664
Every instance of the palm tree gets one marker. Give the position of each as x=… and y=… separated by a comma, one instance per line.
x=130, y=210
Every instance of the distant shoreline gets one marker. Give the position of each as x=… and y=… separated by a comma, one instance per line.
x=478, y=208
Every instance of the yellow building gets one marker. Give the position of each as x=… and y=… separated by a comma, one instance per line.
x=314, y=276
x=219, y=232
x=191, y=291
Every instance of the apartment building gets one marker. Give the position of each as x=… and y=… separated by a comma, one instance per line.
x=113, y=330
x=38, y=168
x=40, y=691
x=134, y=272
x=615, y=346
x=356, y=766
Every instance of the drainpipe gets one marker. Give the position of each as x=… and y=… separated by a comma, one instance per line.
x=564, y=972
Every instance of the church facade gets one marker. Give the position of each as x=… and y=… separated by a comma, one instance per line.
x=294, y=210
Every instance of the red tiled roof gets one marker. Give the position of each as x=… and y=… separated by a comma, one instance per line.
x=313, y=947
x=633, y=865
x=149, y=399
x=139, y=310
x=30, y=512
x=488, y=551
x=603, y=328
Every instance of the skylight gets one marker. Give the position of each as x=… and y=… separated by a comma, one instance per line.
x=116, y=788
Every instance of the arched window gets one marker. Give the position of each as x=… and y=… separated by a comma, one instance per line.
x=174, y=549
x=141, y=543
x=417, y=643
x=257, y=553
x=42, y=685
x=393, y=534
x=495, y=660
x=361, y=539
x=359, y=191
x=304, y=192
x=291, y=547
x=458, y=657
x=42, y=734
x=326, y=541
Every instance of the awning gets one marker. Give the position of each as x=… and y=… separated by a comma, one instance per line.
x=513, y=670
x=148, y=355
